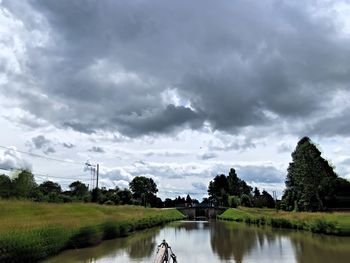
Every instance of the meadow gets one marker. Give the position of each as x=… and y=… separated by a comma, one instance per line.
x=32, y=231
x=333, y=223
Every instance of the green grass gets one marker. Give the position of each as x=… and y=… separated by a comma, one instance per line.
x=32, y=231
x=320, y=222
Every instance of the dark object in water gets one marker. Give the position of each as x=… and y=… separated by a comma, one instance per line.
x=164, y=254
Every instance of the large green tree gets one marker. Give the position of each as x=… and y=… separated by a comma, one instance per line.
x=218, y=190
x=79, y=190
x=310, y=180
x=48, y=187
x=236, y=185
x=5, y=186
x=23, y=184
x=143, y=189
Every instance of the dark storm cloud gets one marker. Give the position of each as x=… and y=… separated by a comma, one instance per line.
x=329, y=126
x=234, y=63
x=40, y=142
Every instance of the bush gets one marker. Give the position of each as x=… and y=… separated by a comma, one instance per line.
x=86, y=236
x=322, y=226
x=110, y=230
x=281, y=223
x=233, y=201
x=246, y=201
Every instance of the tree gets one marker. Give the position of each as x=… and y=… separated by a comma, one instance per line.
x=23, y=184
x=218, y=190
x=268, y=200
x=310, y=179
x=125, y=196
x=237, y=186
x=169, y=203
x=246, y=201
x=143, y=188
x=49, y=187
x=256, y=192
x=5, y=186
x=224, y=186
x=188, y=200
x=78, y=189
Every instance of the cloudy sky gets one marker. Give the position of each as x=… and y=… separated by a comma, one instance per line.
x=176, y=90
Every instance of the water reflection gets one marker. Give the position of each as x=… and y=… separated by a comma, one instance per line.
x=217, y=242
x=138, y=246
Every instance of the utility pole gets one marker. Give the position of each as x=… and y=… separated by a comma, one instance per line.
x=97, y=172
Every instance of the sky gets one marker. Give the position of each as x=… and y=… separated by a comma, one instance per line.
x=178, y=91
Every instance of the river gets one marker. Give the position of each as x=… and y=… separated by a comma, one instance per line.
x=213, y=242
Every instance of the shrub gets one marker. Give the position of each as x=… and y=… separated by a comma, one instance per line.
x=233, y=201
x=245, y=200
x=110, y=230
x=281, y=223
x=86, y=236
x=322, y=226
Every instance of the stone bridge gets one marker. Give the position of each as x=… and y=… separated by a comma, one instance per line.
x=201, y=212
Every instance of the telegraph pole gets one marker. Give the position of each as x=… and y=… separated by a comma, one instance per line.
x=97, y=172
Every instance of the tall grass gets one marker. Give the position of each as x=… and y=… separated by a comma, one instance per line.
x=323, y=223
x=26, y=241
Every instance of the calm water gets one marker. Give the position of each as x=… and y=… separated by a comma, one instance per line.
x=212, y=242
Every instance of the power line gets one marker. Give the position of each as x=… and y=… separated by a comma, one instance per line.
x=42, y=156
x=43, y=175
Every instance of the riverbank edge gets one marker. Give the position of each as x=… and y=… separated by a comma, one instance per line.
x=318, y=226
x=33, y=245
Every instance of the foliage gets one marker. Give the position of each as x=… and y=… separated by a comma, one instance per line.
x=5, y=186
x=23, y=184
x=79, y=189
x=311, y=180
x=263, y=200
x=237, y=186
x=48, y=187
x=222, y=186
x=233, y=201
x=143, y=189
x=246, y=201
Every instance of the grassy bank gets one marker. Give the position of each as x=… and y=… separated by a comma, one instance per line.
x=325, y=223
x=32, y=231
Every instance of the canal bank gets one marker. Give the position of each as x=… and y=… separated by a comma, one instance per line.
x=334, y=223
x=33, y=231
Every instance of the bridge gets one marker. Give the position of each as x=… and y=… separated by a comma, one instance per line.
x=201, y=211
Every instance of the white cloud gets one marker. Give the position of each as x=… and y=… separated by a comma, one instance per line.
x=11, y=160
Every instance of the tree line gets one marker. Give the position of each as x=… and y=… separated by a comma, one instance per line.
x=141, y=191
x=311, y=185
x=232, y=191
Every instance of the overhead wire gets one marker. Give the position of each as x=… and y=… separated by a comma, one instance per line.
x=42, y=156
